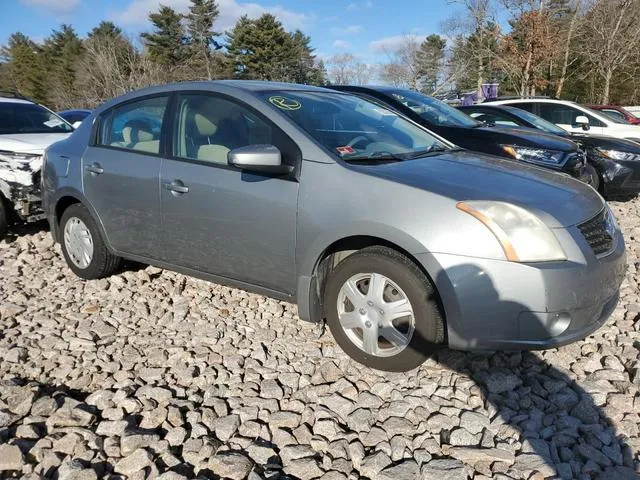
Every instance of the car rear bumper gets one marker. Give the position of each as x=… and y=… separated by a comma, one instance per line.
x=493, y=304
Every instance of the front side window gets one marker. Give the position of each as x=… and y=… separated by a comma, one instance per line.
x=209, y=127
x=432, y=110
x=566, y=115
x=135, y=125
x=493, y=119
x=539, y=122
x=18, y=117
x=352, y=127
x=615, y=115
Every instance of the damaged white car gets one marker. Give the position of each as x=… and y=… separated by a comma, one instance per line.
x=26, y=129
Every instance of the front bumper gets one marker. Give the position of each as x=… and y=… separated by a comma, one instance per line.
x=621, y=178
x=495, y=304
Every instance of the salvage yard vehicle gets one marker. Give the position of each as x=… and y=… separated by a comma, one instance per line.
x=399, y=240
x=613, y=163
x=26, y=129
x=524, y=145
x=574, y=117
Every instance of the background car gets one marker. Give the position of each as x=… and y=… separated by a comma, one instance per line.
x=617, y=113
x=26, y=129
x=525, y=145
x=575, y=118
x=401, y=241
x=613, y=163
x=75, y=117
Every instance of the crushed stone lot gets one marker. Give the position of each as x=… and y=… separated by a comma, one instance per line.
x=151, y=374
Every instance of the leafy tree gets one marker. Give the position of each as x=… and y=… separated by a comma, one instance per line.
x=429, y=61
x=200, y=20
x=167, y=44
x=25, y=68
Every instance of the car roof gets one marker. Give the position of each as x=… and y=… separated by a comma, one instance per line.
x=75, y=110
x=15, y=100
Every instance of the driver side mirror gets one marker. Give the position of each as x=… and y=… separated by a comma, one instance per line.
x=582, y=121
x=258, y=158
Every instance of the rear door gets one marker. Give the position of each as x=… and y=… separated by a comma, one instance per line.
x=216, y=218
x=121, y=171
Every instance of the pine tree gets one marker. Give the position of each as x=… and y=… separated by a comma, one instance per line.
x=106, y=29
x=304, y=67
x=167, y=44
x=200, y=20
x=25, y=67
x=62, y=52
x=429, y=61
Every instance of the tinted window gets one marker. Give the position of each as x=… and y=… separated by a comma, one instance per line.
x=432, y=110
x=539, y=122
x=493, y=118
x=352, y=127
x=565, y=114
x=209, y=127
x=135, y=125
x=615, y=116
x=16, y=117
x=526, y=106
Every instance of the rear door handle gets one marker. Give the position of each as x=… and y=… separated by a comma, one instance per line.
x=95, y=169
x=176, y=187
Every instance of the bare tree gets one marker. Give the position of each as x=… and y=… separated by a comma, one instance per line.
x=566, y=59
x=611, y=36
x=346, y=69
x=402, y=66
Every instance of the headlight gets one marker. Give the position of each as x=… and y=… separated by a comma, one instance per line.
x=534, y=155
x=17, y=158
x=617, y=155
x=522, y=235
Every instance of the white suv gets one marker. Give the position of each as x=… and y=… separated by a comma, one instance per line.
x=26, y=129
x=575, y=118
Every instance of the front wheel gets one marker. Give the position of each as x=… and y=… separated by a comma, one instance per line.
x=593, y=177
x=82, y=245
x=383, y=311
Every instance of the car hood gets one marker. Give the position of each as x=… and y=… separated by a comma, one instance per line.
x=607, y=143
x=530, y=137
x=559, y=200
x=30, y=142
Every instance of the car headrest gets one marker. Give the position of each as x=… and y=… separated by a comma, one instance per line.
x=135, y=131
x=204, y=125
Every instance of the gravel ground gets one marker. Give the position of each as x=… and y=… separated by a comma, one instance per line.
x=151, y=374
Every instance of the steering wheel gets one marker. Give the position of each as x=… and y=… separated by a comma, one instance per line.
x=356, y=140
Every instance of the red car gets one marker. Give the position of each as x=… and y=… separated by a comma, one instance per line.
x=617, y=113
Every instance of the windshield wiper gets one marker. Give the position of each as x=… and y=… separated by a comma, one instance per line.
x=428, y=151
x=376, y=157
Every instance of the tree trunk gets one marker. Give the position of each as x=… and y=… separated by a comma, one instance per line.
x=606, y=87
x=480, y=75
x=565, y=60
x=525, y=85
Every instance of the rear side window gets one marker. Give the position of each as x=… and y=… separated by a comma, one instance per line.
x=134, y=126
x=529, y=107
x=493, y=118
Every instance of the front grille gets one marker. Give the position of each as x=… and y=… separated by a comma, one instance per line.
x=598, y=232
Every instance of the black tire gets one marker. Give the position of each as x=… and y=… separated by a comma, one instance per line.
x=103, y=262
x=594, y=176
x=429, y=332
x=4, y=221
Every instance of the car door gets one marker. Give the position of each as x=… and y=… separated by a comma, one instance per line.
x=565, y=117
x=216, y=218
x=121, y=171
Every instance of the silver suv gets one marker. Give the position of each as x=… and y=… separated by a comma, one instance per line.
x=396, y=238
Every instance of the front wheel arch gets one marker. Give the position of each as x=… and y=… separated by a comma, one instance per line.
x=343, y=248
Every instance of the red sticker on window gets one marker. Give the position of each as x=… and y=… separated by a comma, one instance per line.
x=345, y=150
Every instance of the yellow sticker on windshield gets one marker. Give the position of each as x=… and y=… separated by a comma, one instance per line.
x=285, y=103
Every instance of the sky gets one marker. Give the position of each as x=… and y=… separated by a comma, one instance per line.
x=367, y=28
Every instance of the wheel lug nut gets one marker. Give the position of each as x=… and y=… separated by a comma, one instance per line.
x=370, y=303
x=381, y=312
x=363, y=311
x=367, y=324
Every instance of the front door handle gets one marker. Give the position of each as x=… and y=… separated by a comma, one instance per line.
x=95, y=169
x=176, y=187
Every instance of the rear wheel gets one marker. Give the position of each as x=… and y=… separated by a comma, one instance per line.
x=82, y=245
x=383, y=311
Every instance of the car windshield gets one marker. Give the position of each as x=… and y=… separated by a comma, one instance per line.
x=17, y=117
x=539, y=122
x=433, y=110
x=354, y=128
